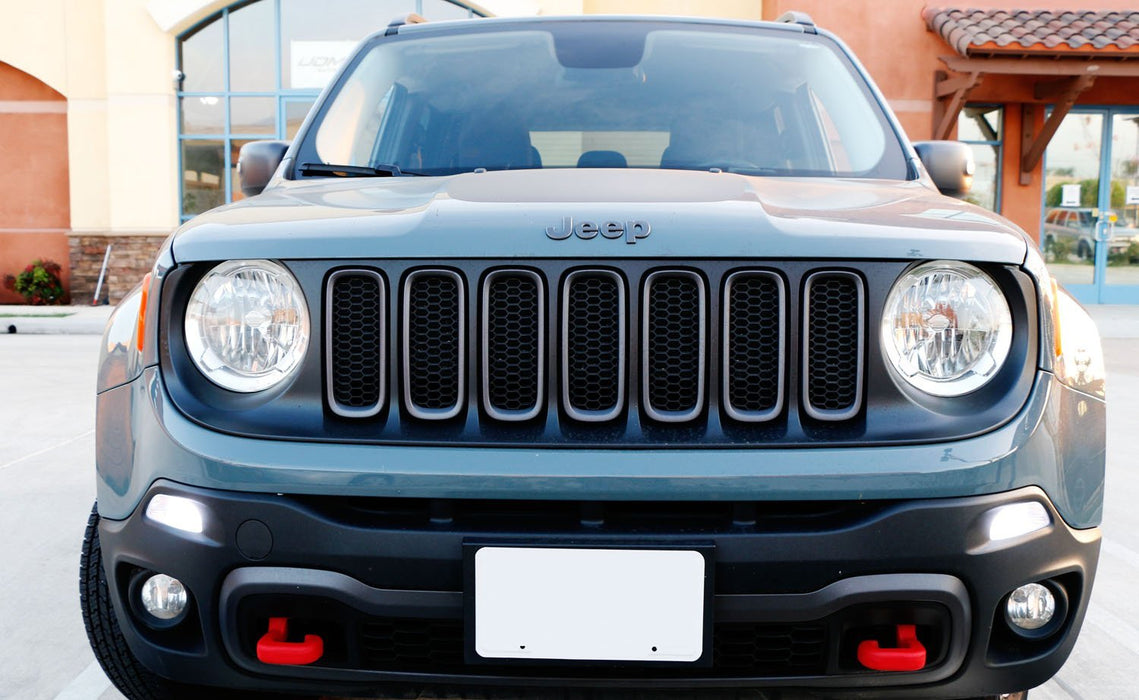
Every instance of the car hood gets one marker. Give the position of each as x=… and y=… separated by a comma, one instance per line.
x=691, y=215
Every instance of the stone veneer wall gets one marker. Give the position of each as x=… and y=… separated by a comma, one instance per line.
x=131, y=258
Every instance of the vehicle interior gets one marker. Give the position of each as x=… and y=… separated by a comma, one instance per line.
x=667, y=98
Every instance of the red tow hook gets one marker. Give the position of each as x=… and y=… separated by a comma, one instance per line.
x=273, y=649
x=908, y=656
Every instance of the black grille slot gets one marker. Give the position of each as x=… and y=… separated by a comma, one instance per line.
x=833, y=345
x=593, y=356
x=434, y=332
x=397, y=644
x=753, y=345
x=356, y=345
x=513, y=344
x=765, y=649
x=674, y=345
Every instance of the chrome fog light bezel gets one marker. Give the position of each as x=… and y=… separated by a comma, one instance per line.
x=1049, y=627
x=137, y=595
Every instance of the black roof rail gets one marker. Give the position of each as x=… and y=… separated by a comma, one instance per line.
x=796, y=17
x=409, y=18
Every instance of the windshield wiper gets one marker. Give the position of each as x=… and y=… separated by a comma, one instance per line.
x=353, y=170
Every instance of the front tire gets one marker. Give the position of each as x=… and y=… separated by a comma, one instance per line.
x=107, y=641
x=110, y=646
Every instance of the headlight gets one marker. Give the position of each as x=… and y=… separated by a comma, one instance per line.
x=247, y=325
x=946, y=328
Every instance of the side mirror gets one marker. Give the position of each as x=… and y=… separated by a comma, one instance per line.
x=257, y=162
x=950, y=165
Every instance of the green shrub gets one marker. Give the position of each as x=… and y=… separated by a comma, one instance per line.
x=39, y=283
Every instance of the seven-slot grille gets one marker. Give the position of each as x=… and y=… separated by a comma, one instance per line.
x=592, y=334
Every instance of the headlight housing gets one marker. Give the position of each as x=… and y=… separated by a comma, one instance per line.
x=247, y=325
x=946, y=328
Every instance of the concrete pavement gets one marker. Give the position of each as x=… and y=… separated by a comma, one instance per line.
x=65, y=320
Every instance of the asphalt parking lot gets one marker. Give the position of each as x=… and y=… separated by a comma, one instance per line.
x=47, y=444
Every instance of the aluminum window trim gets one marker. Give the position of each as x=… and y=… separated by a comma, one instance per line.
x=484, y=332
x=725, y=348
x=856, y=404
x=622, y=323
x=330, y=390
x=650, y=410
x=405, y=341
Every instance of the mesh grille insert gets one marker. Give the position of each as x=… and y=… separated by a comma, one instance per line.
x=754, y=344
x=834, y=330
x=748, y=648
x=798, y=649
x=674, y=344
x=434, y=343
x=513, y=342
x=356, y=340
x=398, y=644
x=594, y=345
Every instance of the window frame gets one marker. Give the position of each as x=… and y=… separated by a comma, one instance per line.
x=998, y=143
x=280, y=93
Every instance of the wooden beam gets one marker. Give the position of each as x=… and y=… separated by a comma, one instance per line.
x=1064, y=97
x=950, y=94
x=1027, y=134
x=1043, y=66
x=949, y=85
x=1059, y=90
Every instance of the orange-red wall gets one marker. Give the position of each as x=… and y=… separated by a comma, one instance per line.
x=891, y=40
x=34, y=204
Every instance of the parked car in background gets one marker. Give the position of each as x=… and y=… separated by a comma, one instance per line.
x=587, y=353
x=1069, y=232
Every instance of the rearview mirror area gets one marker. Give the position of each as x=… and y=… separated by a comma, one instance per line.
x=950, y=165
x=256, y=164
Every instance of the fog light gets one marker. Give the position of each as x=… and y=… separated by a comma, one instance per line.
x=177, y=512
x=1031, y=607
x=163, y=597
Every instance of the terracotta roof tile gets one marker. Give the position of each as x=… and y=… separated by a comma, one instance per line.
x=973, y=32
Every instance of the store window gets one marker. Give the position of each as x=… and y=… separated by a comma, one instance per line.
x=982, y=127
x=253, y=70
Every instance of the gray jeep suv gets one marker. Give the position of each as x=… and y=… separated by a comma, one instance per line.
x=573, y=356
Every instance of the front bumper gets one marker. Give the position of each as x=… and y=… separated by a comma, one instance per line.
x=796, y=587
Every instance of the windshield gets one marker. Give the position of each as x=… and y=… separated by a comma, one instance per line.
x=609, y=94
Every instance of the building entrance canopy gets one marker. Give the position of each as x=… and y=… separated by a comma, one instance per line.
x=1075, y=75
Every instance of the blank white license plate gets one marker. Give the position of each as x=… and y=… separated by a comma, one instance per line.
x=589, y=604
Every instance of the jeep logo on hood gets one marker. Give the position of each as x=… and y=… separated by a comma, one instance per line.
x=631, y=231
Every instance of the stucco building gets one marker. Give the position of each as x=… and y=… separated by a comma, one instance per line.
x=119, y=119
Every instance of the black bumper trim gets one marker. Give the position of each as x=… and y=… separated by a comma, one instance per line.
x=908, y=550
x=885, y=588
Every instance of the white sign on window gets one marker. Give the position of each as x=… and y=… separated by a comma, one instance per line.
x=1132, y=194
x=313, y=63
x=1070, y=195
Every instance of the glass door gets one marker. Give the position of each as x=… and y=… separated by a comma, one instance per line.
x=1119, y=227
x=1090, y=232
x=1071, y=202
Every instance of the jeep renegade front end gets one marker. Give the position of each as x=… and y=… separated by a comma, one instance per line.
x=596, y=354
